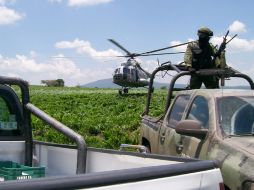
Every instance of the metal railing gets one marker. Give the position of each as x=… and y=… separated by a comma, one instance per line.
x=81, y=145
x=182, y=71
x=29, y=108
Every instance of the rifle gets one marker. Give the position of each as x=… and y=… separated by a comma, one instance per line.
x=219, y=52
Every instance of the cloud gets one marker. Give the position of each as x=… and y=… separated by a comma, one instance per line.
x=79, y=3
x=23, y=64
x=9, y=16
x=181, y=48
x=87, y=2
x=85, y=48
x=55, y=1
x=32, y=70
x=236, y=45
x=237, y=27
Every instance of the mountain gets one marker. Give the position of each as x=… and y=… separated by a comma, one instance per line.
x=107, y=83
x=104, y=83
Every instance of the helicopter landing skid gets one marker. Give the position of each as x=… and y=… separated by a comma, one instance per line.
x=124, y=90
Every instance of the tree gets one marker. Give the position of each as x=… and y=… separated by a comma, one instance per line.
x=55, y=83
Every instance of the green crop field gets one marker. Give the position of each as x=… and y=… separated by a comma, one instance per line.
x=104, y=118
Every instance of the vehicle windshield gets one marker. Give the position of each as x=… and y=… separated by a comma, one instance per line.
x=126, y=70
x=236, y=115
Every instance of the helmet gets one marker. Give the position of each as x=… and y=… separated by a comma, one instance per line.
x=205, y=31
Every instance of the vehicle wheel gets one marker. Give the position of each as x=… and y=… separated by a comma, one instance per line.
x=148, y=149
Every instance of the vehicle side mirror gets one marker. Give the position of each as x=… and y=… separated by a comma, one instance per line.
x=191, y=128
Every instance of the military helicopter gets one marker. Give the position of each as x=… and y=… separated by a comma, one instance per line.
x=130, y=74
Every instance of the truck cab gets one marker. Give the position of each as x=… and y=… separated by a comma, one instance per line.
x=208, y=124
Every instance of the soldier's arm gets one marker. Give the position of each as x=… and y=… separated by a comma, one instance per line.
x=188, y=56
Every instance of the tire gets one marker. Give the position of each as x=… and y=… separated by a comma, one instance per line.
x=148, y=149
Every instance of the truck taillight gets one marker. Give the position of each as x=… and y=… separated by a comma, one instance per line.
x=222, y=187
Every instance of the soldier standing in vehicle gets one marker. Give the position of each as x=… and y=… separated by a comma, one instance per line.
x=199, y=55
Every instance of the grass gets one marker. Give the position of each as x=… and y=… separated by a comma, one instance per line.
x=104, y=118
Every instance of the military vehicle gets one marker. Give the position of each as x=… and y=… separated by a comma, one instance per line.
x=215, y=124
x=29, y=164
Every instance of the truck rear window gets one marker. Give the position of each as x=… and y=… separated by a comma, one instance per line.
x=9, y=125
x=7, y=120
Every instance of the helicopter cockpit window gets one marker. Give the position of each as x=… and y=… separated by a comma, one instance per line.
x=126, y=71
x=133, y=72
x=117, y=71
x=7, y=119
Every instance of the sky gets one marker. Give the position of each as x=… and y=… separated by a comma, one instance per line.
x=68, y=39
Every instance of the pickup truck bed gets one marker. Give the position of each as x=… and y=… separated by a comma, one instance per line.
x=80, y=167
x=112, y=169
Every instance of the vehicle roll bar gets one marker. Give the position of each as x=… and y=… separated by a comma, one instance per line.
x=81, y=145
x=29, y=108
x=183, y=71
x=23, y=85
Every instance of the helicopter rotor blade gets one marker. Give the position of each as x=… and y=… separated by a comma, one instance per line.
x=152, y=54
x=121, y=56
x=169, y=47
x=121, y=47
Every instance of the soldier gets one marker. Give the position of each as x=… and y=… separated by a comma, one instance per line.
x=199, y=55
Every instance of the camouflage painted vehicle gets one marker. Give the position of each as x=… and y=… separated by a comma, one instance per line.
x=212, y=124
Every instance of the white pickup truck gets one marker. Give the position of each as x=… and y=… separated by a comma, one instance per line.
x=28, y=164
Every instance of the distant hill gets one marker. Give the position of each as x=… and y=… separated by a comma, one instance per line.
x=104, y=83
x=107, y=83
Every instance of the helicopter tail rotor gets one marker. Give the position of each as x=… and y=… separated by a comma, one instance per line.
x=158, y=63
x=164, y=73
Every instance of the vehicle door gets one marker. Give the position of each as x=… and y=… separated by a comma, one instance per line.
x=168, y=138
x=198, y=111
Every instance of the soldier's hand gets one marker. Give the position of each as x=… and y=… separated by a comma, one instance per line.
x=223, y=46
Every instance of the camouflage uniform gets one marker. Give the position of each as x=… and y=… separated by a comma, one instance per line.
x=199, y=55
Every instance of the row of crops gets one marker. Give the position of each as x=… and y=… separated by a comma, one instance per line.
x=104, y=118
